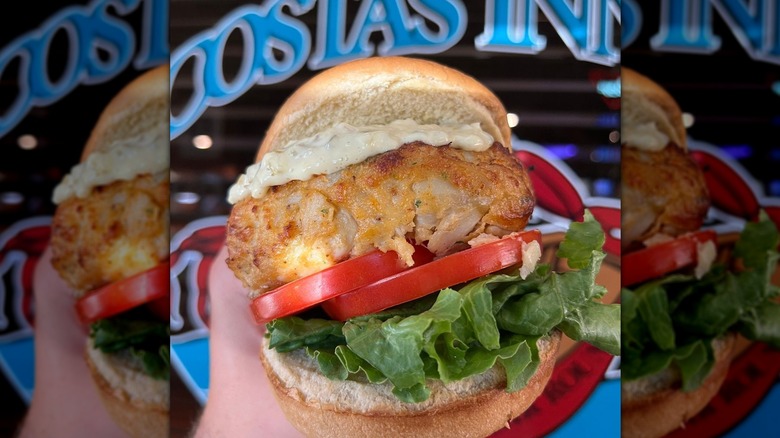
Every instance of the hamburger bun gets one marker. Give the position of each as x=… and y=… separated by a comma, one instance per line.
x=379, y=90
x=271, y=242
x=129, y=139
x=138, y=108
x=645, y=101
x=370, y=92
x=655, y=405
x=135, y=401
x=473, y=407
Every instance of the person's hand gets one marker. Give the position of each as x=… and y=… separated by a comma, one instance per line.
x=240, y=399
x=65, y=402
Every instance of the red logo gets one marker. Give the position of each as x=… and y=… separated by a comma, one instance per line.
x=562, y=197
x=561, y=194
x=21, y=245
x=732, y=189
x=193, y=250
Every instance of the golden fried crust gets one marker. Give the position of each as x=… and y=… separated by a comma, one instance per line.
x=663, y=192
x=439, y=196
x=120, y=229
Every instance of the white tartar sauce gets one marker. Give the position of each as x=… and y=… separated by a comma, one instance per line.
x=145, y=153
x=342, y=145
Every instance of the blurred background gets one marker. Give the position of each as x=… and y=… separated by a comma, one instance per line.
x=733, y=100
x=730, y=97
x=39, y=150
x=47, y=142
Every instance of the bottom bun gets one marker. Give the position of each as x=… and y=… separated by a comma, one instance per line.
x=473, y=407
x=136, y=402
x=654, y=406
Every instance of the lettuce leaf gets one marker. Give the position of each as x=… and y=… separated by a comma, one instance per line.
x=142, y=335
x=672, y=321
x=459, y=333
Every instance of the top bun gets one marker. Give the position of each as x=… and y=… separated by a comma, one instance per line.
x=379, y=90
x=643, y=100
x=140, y=107
x=129, y=139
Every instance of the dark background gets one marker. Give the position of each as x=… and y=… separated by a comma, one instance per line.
x=61, y=128
x=728, y=93
x=28, y=177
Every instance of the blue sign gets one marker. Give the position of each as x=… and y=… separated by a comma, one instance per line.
x=89, y=29
x=277, y=44
x=687, y=26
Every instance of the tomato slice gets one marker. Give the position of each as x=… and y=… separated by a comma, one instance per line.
x=664, y=258
x=123, y=295
x=338, y=279
x=420, y=281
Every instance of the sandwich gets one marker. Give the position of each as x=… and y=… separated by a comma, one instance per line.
x=685, y=296
x=110, y=245
x=380, y=236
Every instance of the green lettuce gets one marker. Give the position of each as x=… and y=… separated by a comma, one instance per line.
x=672, y=321
x=142, y=335
x=454, y=334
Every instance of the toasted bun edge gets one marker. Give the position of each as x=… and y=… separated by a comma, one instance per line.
x=661, y=411
x=641, y=90
x=378, y=90
x=478, y=414
x=136, y=108
x=139, y=418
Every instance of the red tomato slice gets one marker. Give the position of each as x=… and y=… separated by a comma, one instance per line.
x=658, y=260
x=432, y=277
x=341, y=278
x=123, y=295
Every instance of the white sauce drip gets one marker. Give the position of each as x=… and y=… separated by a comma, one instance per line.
x=705, y=254
x=147, y=152
x=342, y=145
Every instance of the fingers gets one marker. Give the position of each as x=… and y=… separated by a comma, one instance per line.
x=240, y=400
x=57, y=327
x=232, y=326
x=61, y=375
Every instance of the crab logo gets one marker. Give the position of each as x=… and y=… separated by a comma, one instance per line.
x=192, y=252
x=585, y=386
x=736, y=196
x=21, y=245
x=562, y=197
